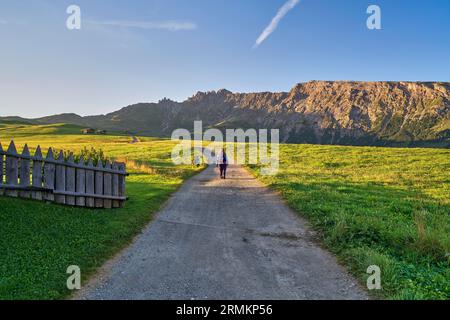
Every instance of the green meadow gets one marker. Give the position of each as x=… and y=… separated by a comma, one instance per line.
x=38, y=241
x=371, y=206
x=376, y=206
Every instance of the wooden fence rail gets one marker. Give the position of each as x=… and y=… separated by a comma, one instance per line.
x=62, y=181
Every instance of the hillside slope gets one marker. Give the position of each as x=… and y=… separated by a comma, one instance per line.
x=323, y=112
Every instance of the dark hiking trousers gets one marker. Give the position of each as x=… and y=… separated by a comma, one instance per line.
x=223, y=170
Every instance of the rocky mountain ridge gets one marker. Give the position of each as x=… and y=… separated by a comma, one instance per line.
x=324, y=112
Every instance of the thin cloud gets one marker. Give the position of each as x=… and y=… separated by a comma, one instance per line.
x=149, y=25
x=288, y=6
x=3, y=21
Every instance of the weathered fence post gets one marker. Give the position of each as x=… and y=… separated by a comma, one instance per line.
x=1, y=168
x=107, y=186
x=90, y=184
x=70, y=180
x=12, y=169
x=99, y=185
x=25, y=172
x=60, y=180
x=81, y=183
x=115, y=185
x=49, y=175
x=37, y=174
x=122, y=183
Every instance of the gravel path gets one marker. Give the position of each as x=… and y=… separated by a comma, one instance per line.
x=224, y=239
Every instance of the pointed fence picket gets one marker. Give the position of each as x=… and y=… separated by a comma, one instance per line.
x=122, y=183
x=37, y=177
x=49, y=176
x=12, y=171
x=70, y=181
x=90, y=184
x=25, y=173
x=107, y=186
x=99, y=185
x=81, y=183
x=115, y=185
x=1, y=169
x=60, y=180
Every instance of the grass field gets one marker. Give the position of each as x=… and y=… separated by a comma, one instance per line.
x=376, y=206
x=38, y=241
x=384, y=206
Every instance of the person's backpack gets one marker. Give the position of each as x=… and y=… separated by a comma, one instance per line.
x=224, y=158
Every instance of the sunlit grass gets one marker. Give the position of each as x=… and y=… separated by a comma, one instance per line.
x=383, y=206
x=38, y=241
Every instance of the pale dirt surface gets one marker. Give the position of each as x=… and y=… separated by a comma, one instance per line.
x=224, y=239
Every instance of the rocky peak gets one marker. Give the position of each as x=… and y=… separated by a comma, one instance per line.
x=332, y=112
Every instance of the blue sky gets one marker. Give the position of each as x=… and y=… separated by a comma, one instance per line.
x=112, y=62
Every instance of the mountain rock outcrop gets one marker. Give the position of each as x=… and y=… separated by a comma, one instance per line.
x=324, y=112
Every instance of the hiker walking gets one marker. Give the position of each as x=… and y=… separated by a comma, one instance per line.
x=222, y=160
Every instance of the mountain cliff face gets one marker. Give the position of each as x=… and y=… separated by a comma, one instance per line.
x=324, y=112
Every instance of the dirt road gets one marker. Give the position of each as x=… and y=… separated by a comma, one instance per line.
x=224, y=239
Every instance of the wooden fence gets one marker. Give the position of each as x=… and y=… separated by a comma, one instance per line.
x=61, y=181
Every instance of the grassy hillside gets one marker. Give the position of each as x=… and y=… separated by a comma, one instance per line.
x=24, y=129
x=38, y=241
x=383, y=206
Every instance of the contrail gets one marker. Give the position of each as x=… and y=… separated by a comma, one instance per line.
x=288, y=6
x=161, y=25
